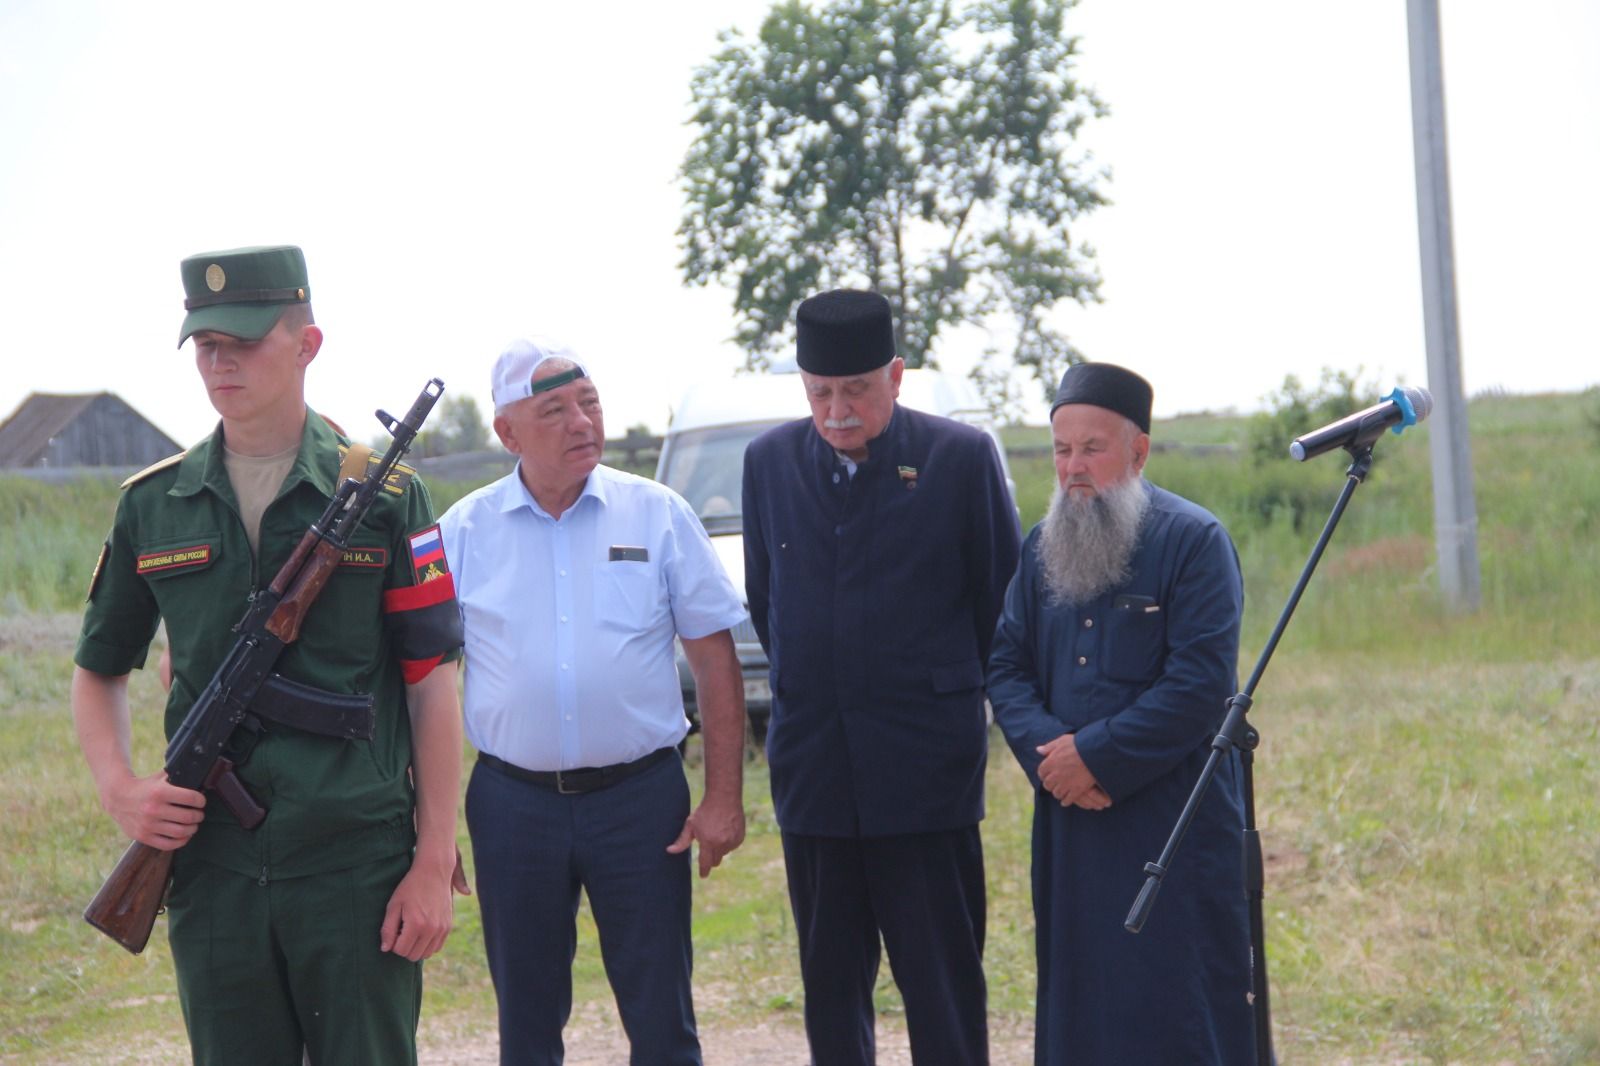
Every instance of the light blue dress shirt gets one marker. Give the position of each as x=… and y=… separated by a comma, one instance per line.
x=570, y=621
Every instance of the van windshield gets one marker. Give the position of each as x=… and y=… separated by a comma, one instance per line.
x=706, y=467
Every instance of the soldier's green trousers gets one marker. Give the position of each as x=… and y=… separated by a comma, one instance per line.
x=266, y=970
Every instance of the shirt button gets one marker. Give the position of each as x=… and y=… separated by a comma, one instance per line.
x=564, y=665
x=563, y=573
x=1082, y=661
x=563, y=618
x=569, y=717
x=1088, y=623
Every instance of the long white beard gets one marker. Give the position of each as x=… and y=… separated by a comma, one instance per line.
x=1085, y=543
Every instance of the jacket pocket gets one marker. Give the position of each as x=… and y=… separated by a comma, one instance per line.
x=343, y=631
x=1135, y=640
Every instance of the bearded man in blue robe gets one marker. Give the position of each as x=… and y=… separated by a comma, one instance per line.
x=1110, y=672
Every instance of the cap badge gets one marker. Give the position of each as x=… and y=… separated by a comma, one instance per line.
x=215, y=278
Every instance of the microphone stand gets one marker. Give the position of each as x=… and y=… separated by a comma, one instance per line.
x=1238, y=734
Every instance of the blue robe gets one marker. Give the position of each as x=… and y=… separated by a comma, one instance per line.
x=1141, y=675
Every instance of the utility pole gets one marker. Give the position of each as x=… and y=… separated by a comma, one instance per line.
x=1455, y=514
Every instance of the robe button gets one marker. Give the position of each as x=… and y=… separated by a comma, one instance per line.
x=1088, y=623
x=1083, y=661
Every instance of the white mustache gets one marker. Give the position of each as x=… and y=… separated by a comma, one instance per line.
x=841, y=423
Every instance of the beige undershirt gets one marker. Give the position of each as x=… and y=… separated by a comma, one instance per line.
x=256, y=480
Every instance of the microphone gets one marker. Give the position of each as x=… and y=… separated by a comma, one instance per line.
x=1401, y=408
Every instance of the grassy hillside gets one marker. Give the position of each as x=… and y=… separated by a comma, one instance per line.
x=1538, y=497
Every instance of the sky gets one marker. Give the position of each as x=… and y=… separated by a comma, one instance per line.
x=460, y=175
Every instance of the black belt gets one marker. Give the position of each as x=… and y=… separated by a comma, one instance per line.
x=583, y=779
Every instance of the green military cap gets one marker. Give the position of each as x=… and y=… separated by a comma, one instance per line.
x=242, y=291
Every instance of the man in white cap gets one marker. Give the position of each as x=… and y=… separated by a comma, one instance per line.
x=573, y=580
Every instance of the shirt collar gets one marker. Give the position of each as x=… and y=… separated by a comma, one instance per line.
x=514, y=494
x=202, y=468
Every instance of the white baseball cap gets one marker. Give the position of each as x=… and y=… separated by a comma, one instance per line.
x=512, y=378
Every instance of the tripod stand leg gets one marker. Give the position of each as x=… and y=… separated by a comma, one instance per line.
x=1255, y=893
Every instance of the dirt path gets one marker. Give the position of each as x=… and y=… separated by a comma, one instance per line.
x=594, y=1039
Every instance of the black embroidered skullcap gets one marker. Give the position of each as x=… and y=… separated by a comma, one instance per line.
x=843, y=332
x=1111, y=387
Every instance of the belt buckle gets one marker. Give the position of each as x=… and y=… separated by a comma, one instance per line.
x=585, y=780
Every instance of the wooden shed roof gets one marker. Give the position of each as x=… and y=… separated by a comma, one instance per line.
x=36, y=420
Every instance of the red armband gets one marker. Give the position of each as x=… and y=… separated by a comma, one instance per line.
x=425, y=624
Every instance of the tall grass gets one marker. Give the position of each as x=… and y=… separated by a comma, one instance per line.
x=50, y=537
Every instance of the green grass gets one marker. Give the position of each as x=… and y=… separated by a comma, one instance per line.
x=1426, y=782
x=1432, y=869
x=50, y=536
x=1432, y=886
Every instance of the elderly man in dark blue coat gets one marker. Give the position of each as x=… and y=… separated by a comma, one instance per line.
x=1111, y=668
x=878, y=544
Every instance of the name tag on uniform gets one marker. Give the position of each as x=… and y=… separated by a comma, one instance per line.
x=621, y=553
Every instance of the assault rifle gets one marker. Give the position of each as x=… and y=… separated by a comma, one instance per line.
x=206, y=749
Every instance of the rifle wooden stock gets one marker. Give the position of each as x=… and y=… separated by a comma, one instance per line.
x=126, y=906
x=286, y=572
x=303, y=591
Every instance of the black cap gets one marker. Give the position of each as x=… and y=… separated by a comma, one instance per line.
x=1111, y=387
x=843, y=332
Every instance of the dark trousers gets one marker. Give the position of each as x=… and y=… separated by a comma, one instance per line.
x=533, y=849
x=267, y=970
x=924, y=894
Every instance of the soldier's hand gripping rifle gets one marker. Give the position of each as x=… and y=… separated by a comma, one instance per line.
x=244, y=688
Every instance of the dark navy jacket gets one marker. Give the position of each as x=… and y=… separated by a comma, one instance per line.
x=876, y=599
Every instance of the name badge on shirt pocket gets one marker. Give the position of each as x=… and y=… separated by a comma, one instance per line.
x=621, y=553
x=630, y=598
x=358, y=558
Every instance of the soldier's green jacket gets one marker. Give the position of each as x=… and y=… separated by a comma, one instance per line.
x=178, y=552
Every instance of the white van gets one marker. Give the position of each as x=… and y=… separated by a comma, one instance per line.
x=702, y=459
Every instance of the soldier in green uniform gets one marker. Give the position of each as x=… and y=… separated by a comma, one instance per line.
x=307, y=932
